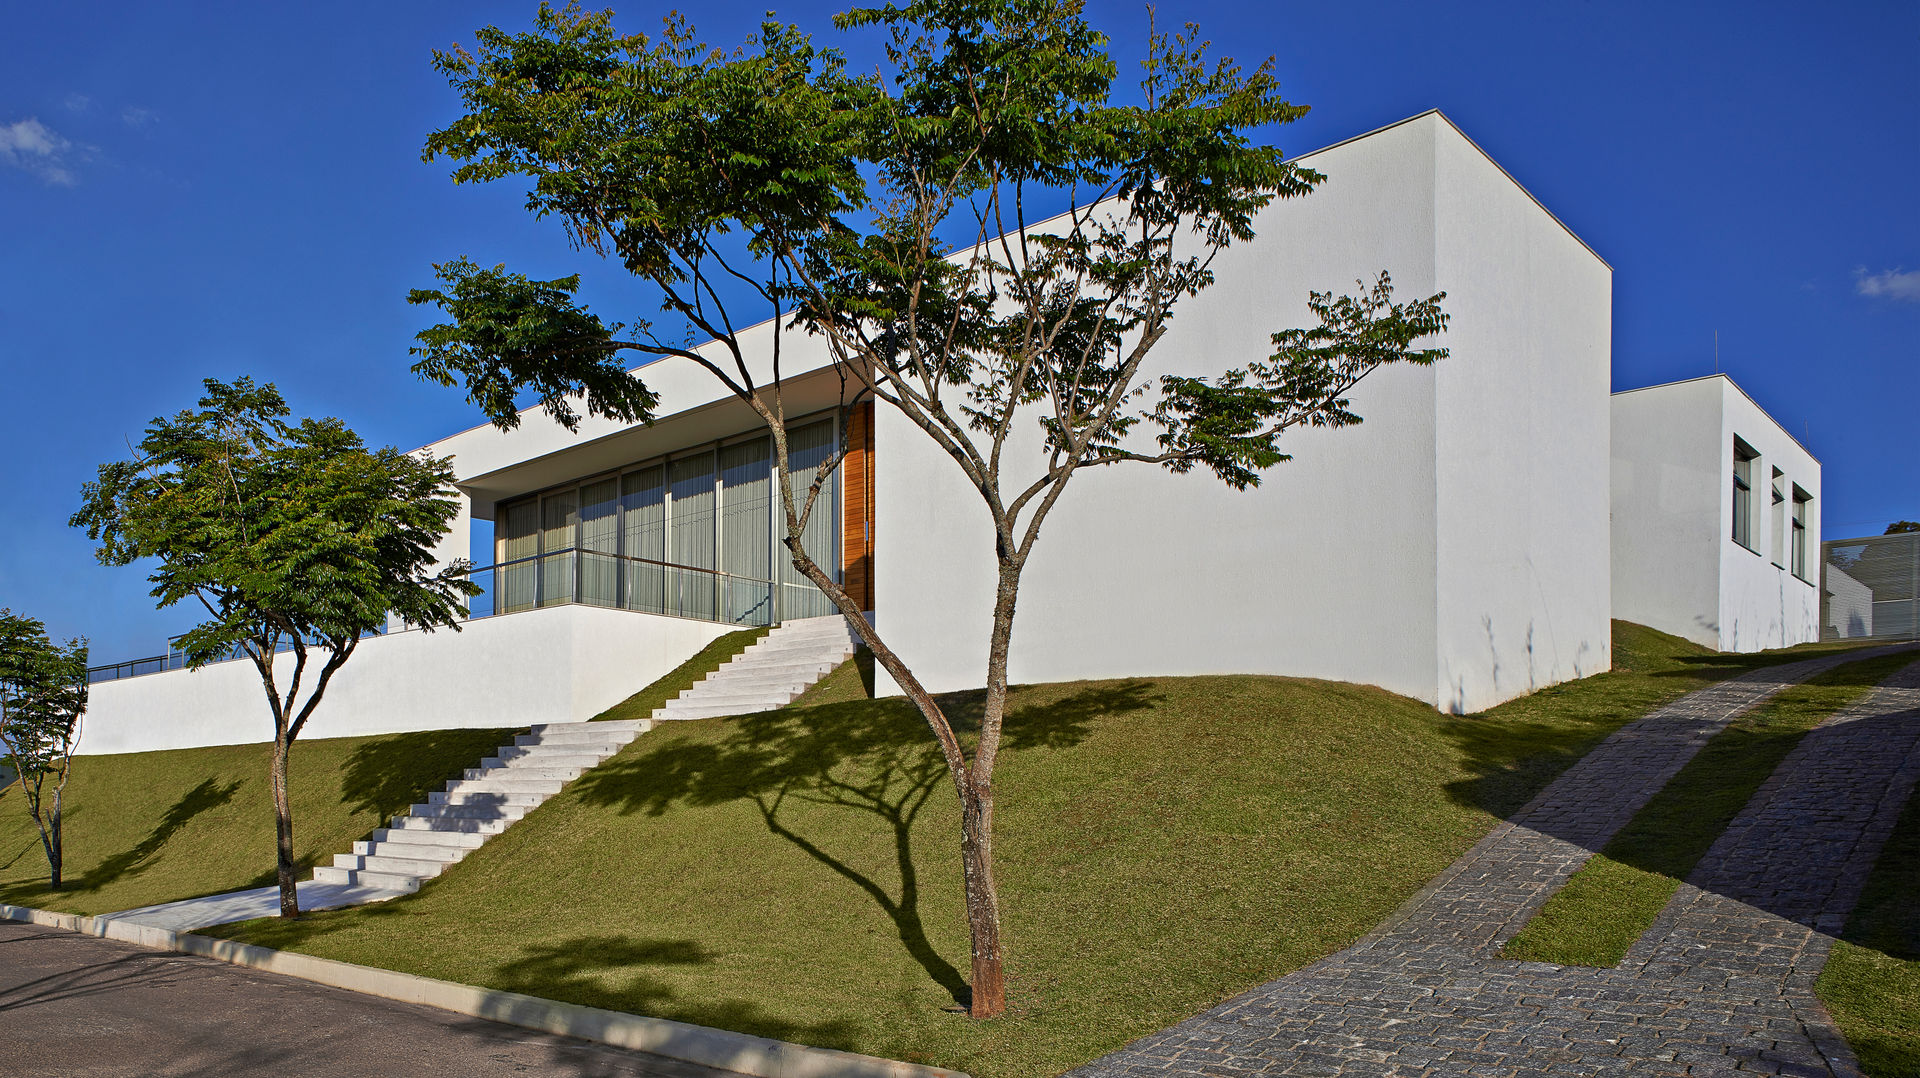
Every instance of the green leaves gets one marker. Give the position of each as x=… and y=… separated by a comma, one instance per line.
x=510, y=334
x=294, y=533
x=43, y=692
x=1233, y=424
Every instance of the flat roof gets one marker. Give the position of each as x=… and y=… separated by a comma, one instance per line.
x=1729, y=380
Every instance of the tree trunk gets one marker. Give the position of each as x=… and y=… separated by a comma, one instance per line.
x=983, y=903
x=54, y=853
x=283, y=829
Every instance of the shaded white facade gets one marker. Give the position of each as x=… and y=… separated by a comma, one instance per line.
x=1716, y=518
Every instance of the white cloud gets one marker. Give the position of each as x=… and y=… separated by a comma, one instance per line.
x=33, y=146
x=136, y=117
x=77, y=102
x=1892, y=284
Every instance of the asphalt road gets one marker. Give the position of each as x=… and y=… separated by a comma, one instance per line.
x=74, y=1006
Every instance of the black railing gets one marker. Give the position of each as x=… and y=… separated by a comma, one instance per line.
x=672, y=589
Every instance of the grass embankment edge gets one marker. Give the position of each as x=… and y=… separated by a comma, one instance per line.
x=1606, y=906
x=716, y=654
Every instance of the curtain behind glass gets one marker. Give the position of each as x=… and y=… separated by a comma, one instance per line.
x=513, y=585
x=600, y=543
x=690, y=536
x=559, y=516
x=746, y=531
x=806, y=447
x=643, y=510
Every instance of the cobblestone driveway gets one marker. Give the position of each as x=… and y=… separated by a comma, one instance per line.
x=1721, y=983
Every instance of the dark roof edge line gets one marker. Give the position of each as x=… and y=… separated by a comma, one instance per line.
x=1728, y=378
x=1448, y=120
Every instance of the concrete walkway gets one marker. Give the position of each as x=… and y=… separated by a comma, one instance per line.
x=1722, y=984
x=191, y=913
x=74, y=1006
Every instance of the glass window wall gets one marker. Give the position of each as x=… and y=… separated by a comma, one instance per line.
x=695, y=535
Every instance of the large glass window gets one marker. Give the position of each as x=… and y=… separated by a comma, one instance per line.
x=1743, y=494
x=696, y=535
x=1801, y=501
x=643, y=534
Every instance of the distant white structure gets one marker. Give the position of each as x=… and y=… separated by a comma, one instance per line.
x=1716, y=518
x=1454, y=548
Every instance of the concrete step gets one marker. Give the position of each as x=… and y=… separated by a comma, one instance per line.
x=750, y=699
x=504, y=781
x=468, y=825
x=688, y=713
x=770, y=647
x=449, y=840
x=529, y=771
x=527, y=798
x=390, y=881
x=468, y=812
x=412, y=851
x=567, y=738
x=399, y=866
x=610, y=728
x=807, y=670
x=544, y=758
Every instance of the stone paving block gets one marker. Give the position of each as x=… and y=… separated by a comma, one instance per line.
x=1720, y=985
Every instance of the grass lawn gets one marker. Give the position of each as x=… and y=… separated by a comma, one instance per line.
x=152, y=827
x=681, y=678
x=1871, y=984
x=1614, y=897
x=1163, y=843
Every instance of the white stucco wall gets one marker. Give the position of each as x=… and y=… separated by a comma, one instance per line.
x=560, y=664
x=1666, y=509
x=1521, y=437
x=1335, y=567
x=1676, y=566
x=1762, y=604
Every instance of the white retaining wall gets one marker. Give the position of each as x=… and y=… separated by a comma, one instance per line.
x=561, y=664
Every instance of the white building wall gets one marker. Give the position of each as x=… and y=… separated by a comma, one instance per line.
x=1667, y=509
x=1676, y=565
x=561, y=664
x=1333, y=567
x=1521, y=440
x=1762, y=604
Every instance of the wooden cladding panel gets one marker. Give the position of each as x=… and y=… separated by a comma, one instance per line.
x=856, y=540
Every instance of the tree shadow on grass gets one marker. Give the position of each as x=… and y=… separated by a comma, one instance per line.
x=207, y=796
x=385, y=775
x=874, y=757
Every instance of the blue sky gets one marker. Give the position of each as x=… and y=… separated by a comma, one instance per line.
x=216, y=189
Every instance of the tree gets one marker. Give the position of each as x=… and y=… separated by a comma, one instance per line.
x=897, y=221
x=43, y=694
x=290, y=537
x=1901, y=526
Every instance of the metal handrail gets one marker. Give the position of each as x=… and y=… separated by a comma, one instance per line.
x=174, y=660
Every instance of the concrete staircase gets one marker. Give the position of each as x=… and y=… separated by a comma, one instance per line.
x=455, y=822
x=518, y=777
x=770, y=673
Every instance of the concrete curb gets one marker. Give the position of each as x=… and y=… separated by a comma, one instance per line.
x=760, y=1057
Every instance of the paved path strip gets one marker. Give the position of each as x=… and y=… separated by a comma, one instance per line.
x=78, y=1007
x=1426, y=995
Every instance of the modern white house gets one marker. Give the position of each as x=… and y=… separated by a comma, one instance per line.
x=1716, y=522
x=1455, y=547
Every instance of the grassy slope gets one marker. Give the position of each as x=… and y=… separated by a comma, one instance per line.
x=1163, y=843
x=1614, y=898
x=681, y=678
x=157, y=826
x=1872, y=981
